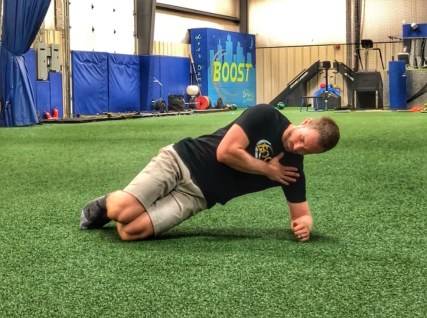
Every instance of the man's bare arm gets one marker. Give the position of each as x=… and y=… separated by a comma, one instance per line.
x=231, y=152
x=301, y=220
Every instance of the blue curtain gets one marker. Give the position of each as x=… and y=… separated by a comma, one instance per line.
x=21, y=22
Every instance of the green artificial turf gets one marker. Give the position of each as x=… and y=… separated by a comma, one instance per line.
x=367, y=256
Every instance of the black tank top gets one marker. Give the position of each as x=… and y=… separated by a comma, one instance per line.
x=264, y=127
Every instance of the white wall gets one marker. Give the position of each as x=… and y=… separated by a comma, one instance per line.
x=305, y=22
x=383, y=18
x=297, y=22
x=106, y=17
x=174, y=27
x=224, y=7
x=49, y=20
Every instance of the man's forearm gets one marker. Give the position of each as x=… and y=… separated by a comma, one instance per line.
x=301, y=220
x=300, y=212
x=240, y=160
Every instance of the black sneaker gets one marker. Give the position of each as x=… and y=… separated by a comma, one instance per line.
x=94, y=214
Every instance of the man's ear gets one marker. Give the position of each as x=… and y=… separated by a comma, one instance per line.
x=307, y=121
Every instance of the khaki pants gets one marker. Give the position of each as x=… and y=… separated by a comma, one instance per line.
x=167, y=192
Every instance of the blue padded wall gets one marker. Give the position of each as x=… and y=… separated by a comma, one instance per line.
x=48, y=94
x=42, y=97
x=41, y=89
x=90, y=82
x=55, y=80
x=30, y=64
x=124, y=82
x=151, y=89
x=173, y=72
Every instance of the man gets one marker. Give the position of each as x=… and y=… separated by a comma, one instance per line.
x=259, y=150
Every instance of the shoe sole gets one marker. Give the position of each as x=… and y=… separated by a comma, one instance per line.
x=83, y=221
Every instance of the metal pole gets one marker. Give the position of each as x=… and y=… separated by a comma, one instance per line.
x=349, y=56
x=243, y=8
x=145, y=16
x=66, y=84
x=357, y=13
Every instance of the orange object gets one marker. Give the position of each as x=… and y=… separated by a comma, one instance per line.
x=416, y=108
x=55, y=113
x=202, y=102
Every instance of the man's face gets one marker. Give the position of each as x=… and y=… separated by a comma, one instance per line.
x=303, y=140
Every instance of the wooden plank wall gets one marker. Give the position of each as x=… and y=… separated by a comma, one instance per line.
x=171, y=49
x=276, y=67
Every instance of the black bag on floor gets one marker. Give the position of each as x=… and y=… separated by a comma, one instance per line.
x=219, y=103
x=176, y=103
x=159, y=105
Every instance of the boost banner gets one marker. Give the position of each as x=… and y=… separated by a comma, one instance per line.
x=225, y=65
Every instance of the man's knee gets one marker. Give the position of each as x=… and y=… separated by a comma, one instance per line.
x=123, y=207
x=124, y=236
x=139, y=229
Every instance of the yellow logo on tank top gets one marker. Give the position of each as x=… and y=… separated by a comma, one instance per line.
x=263, y=150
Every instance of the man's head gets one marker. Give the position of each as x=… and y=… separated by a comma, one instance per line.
x=312, y=136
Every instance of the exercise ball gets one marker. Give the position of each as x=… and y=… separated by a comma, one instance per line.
x=192, y=90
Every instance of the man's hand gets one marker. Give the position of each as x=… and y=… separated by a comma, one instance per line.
x=302, y=227
x=280, y=173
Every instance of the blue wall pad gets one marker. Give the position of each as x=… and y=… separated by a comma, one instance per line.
x=170, y=71
x=42, y=97
x=30, y=64
x=55, y=80
x=225, y=65
x=90, y=82
x=48, y=94
x=104, y=82
x=124, y=82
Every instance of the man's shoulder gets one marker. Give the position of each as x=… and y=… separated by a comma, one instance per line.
x=263, y=107
x=262, y=116
x=266, y=110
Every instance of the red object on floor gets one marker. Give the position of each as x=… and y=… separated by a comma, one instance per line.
x=202, y=102
x=416, y=108
x=55, y=113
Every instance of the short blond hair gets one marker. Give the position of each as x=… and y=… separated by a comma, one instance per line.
x=328, y=130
